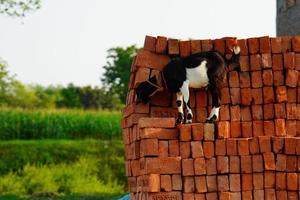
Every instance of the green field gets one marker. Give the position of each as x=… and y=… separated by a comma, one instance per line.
x=59, y=124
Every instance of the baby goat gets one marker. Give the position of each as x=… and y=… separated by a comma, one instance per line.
x=200, y=70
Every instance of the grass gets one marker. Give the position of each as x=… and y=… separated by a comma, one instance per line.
x=58, y=124
x=64, y=168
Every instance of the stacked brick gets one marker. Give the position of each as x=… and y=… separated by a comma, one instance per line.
x=252, y=152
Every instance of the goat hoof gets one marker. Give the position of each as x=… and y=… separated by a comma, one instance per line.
x=179, y=119
x=189, y=121
x=212, y=119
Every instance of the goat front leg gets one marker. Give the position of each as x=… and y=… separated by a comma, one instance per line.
x=186, y=99
x=179, y=104
x=214, y=114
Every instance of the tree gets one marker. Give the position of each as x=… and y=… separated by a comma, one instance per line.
x=117, y=70
x=70, y=97
x=18, y=8
x=7, y=82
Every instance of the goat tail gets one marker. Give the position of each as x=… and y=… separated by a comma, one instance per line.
x=234, y=62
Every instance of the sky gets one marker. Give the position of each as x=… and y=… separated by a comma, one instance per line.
x=67, y=41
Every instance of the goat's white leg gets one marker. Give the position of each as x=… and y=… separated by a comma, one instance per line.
x=179, y=103
x=214, y=114
x=186, y=97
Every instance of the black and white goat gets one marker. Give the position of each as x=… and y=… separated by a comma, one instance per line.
x=200, y=70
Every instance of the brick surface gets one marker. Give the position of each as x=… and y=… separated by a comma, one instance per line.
x=176, y=182
x=235, y=182
x=209, y=131
x=289, y=60
x=244, y=63
x=269, y=161
x=278, y=144
x=253, y=45
x=246, y=129
x=185, y=149
x=231, y=146
x=235, y=96
x=257, y=112
x=253, y=145
x=208, y=149
x=174, y=148
x=211, y=182
x=256, y=79
x=198, y=131
x=243, y=147
x=223, y=183
x=292, y=181
x=195, y=46
x=207, y=45
x=247, y=182
x=276, y=45
x=166, y=183
x=246, y=96
x=246, y=164
x=222, y=164
x=234, y=164
x=185, y=48
x=280, y=181
x=161, y=44
x=264, y=144
x=266, y=60
x=296, y=43
x=268, y=94
x=200, y=183
x=157, y=122
x=269, y=179
x=270, y=194
x=235, y=113
x=200, y=166
x=235, y=129
x=277, y=60
x=255, y=62
x=149, y=147
x=173, y=47
x=163, y=148
x=211, y=166
x=188, y=167
x=269, y=129
x=244, y=80
x=258, y=181
x=265, y=44
x=257, y=163
x=188, y=184
x=291, y=78
x=220, y=147
x=291, y=128
x=291, y=111
x=280, y=127
x=246, y=113
x=150, y=43
x=197, y=150
x=223, y=129
x=257, y=96
x=185, y=132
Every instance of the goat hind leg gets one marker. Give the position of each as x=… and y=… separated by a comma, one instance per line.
x=179, y=103
x=214, y=114
x=186, y=98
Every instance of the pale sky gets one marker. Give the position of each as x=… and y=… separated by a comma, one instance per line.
x=66, y=40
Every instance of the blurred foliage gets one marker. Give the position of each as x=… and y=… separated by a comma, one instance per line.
x=18, y=8
x=117, y=70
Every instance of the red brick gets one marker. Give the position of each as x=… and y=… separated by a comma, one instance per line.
x=173, y=148
x=223, y=129
x=222, y=164
x=269, y=161
x=298, y=147
x=267, y=77
x=280, y=127
x=253, y=145
x=195, y=46
x=185, y=149
x=150, y=43
x=292, y=78
x=278, y=144
x=257, y=112
x=235, y=182
x=246, y=195
x=223, y=183
x=224, y=113
x=198, y=131
x=209, y=131
x=188, y=196
x=286, y=44
x=278, y=78
x=270, y=194
x=269, y=129
x=290, y=146
x=280, y=181
x=211, y=182
x=161, y=44
x=289, y=60
x=207, y=45
x=225, y=96
x=255, y=62
x=208, y=148
x=199, y=196
x=266, y=60
x=211, y=196
x=247, y=182
x=264, y=144
x=149, y=147
x=244, y=63
x=282, y=195
x=246, y=164
x=231, y=146
x=220, y=147
x=243, y=146
x=244, y=80
x=258, y=128
x=246, y=129
x=268, y=94
x=234, y=164
x=201, y=98
x=258, y=181
x=256, y=79
x=279, y=111
x=197, y=150
x=200, y=166
x=277, y=61
x=246, y=96
x=185, y=48
x=276, y=45
x=173, y=47
x=298, y=128
x=291, y=110
x=235, y=96
x=243, y=45
x=188, y=167
x=257, y=96
x=265, y=44
x=151, y=60
x=296, y=43
x=268, y=111
x=153, y=183
x=185, y=132
x=292, y=181
x=235, y=113
x=291, y=163
x=269, y=179
x=211, y=166
x=297, y=61
x=200, y=183
x=253, y=45
x=291, y=128
x=246, y=113
x=292, y=95
x=225, y=196
x=176, y=182
x=201, y=114
x=166, y=183
x=141, y=75
x=292, y=195
x=281, y=94
x=235, y=129
x=157, y=122
x=233, y=79
x=170, y=165
x=163, y=147
x=257, y=163
x=281, y=162
x=219, y=46
x=188, y=184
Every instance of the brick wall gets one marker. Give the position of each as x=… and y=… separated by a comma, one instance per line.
x=252, y=152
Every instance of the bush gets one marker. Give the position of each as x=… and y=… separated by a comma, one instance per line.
x=59, y=124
